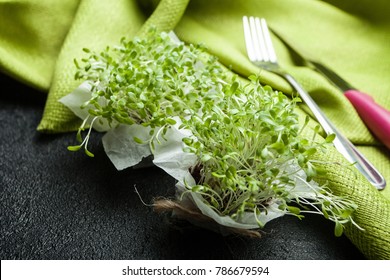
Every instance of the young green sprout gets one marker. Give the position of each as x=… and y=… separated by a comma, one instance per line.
x=249, y=145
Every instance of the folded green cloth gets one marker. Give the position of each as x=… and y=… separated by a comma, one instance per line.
x=40, y=39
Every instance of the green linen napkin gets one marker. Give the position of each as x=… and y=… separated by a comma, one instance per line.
x=38, y=42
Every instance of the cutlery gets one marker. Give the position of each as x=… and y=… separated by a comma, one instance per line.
x=261, y=52
x=376, y=118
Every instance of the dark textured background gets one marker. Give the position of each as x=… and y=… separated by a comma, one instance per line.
x=55, y=204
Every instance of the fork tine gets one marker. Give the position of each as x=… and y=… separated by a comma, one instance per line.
x=267, y=41
x=261, y=40
x=256, y=39
x=252, y=39
x=248, y=39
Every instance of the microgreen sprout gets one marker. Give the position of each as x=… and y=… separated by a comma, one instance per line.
x=83, y=142
x=148, y=81
x=247, y=138
x=245, y=144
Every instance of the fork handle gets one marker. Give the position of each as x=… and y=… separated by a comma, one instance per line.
x=374, y=116
x=341, y=143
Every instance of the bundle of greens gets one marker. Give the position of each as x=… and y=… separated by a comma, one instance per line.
x=235, y=147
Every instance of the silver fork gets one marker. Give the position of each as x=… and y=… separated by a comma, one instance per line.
x=261, y=52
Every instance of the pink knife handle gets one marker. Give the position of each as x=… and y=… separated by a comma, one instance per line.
x=374, y=116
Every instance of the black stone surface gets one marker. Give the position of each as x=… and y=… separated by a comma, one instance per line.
x=55, y=204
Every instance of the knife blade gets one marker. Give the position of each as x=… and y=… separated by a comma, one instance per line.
x=375, y=117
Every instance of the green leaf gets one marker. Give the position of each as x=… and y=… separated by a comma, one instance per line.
x=282, y=207
x=205, y=157
x=74, y=148
x=138, y=140
x=170, y=121
x=330, y=138
x=188, y=141
x=346, y=213
x=197, y=188
x=231, y=172
x=78, y=136
x=310, y=152
x=88, y=153
x=264, y=153
x=226, y=120
x=325, y=213
x=215, y=174
x=338, y=229
x=76, y=63
x=277, y=146
x=140, y=105
x=293, y=210
x=253, y=78
x=87, y=67
x=234, y=87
